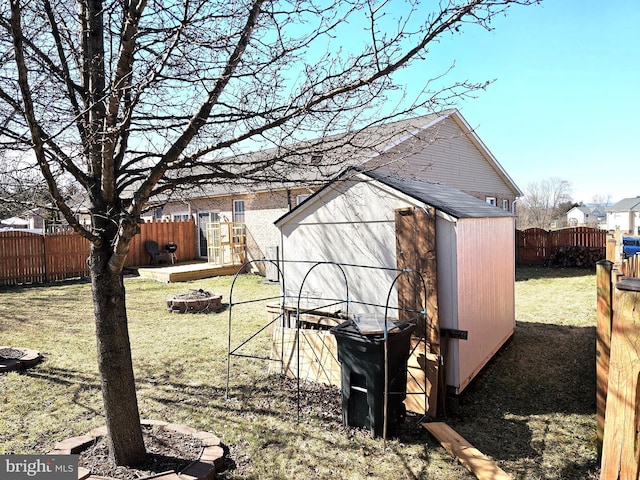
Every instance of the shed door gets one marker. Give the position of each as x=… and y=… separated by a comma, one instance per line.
x=416, y=251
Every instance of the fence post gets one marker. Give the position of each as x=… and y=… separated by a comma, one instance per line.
x=604, y=316
x=611, y=249
x=45, y=266
x=620, y=457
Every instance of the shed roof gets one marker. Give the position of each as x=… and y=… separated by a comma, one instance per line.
x=444, y=198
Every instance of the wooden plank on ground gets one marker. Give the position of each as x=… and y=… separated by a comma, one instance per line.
x=474, y=460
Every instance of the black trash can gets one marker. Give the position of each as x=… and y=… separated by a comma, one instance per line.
x=362, y=364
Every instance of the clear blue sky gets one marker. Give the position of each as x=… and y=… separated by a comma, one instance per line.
x=566, y=98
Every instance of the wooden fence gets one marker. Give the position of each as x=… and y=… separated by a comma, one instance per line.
x=534, y=246
x=32, y=258
x=630, y=267
x=618, y=372
x=182, y=233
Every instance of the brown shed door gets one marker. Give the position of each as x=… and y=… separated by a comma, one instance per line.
x=416, y=251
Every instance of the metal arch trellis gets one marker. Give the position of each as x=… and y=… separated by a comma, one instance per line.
x=422, y=312
x=231, y=352
x=333, y=302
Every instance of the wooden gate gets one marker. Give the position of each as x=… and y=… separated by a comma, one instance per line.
x=416, y=251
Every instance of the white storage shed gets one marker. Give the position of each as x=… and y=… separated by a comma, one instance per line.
x=464, y=247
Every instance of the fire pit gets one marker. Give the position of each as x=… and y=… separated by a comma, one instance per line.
x=195, y=301
x=17, y=358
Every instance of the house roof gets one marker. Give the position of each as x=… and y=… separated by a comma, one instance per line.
x=444, y=198
x=584, y=209
x=368, y=146
x=13, y=221
x=626, y=205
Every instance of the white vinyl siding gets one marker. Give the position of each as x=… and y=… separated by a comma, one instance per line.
x=453, y=159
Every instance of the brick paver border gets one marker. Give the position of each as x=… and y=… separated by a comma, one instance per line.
x=211, y=456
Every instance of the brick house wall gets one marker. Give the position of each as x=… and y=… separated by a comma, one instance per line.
x=261, y=210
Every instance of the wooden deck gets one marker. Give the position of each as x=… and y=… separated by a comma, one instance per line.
x=186, y=271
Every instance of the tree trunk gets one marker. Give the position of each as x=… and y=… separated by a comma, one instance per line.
x=126, y=445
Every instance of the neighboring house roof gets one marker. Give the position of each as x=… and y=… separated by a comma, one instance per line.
x=14, y=221
x=444, y=198
x=374, y=147
x=582, y=208
x=626, y=205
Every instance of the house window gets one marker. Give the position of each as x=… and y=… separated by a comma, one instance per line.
x=491, y=201
x=180, y=217
x=302, y=198
x=505, y=205
x=238, y=211
x=157, y=214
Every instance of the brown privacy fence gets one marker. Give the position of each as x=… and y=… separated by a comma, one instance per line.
x=630, y=267
x=33, y=258
x=535, y=246
x=618, y=370
x=182, y=233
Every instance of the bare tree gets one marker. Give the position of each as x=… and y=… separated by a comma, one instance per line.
x=544, y=203
x=601, y=200
x=136, y=98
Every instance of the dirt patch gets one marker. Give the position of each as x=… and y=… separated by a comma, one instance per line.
x=165, y=451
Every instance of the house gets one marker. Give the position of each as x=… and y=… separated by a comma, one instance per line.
x=31, y=220
x=15, y=223
x=586, y=216
x=46, y=219
x=624, y=216
x=440, y=148
x=379, y=228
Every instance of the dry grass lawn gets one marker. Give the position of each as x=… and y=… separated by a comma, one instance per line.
x=532, y=410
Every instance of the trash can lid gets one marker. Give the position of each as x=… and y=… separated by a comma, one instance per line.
x=371, y=323
x=350, y=329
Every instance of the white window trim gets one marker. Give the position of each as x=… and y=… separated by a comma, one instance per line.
x=491, y=201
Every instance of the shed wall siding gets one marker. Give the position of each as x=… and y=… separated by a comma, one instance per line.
x=357, y=227
x=454, y=160
x=486, y=290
